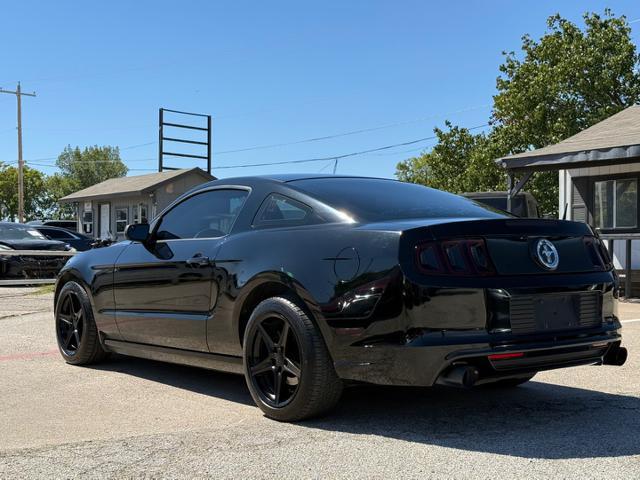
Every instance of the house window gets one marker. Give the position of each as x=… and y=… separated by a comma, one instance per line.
x=122, y=218
x=140, y=214
x=616, y=203
x=87, y=222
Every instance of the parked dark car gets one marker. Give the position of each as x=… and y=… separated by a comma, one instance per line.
x=77, y=240
x=67, y=224
x=523, y=205
x=306, y=284
x=16, y=236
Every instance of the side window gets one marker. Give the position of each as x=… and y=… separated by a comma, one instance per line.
x=208, y=214
x=48, y=233
x=281, y=210
x=55, y=233
x=122, y=219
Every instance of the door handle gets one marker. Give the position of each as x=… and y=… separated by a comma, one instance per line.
x=198, y=260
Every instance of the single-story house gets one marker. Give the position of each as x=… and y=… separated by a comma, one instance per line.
x=599, y=171
x=105, y=209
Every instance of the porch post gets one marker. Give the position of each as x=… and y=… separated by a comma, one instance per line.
x=627, y=269
x=509, y=190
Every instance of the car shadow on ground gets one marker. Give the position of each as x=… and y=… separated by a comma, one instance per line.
x=207, y=382
x=536, y=420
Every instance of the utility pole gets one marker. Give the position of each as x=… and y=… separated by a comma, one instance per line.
x=18, y=93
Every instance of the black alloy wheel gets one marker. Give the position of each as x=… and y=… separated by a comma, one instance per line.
x=70, y=323
x=274, y=361
x=76, y=331
x=287, y=366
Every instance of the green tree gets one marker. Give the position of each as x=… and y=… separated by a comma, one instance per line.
x=83, y=168
x=460, y=162
x=568, y=80
x=37, y=202
x=56, y=187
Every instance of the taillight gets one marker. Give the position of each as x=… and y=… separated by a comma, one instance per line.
x=454, y=257
x=505, y=356
x=598, y=252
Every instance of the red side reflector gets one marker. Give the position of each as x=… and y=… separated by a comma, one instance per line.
x=503, y=356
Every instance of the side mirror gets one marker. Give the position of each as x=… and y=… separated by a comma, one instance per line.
x=137, y=232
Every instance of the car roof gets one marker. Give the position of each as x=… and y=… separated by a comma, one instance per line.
x=279, y=178
x=52, y=227
x=15, y=224
x=62, y=229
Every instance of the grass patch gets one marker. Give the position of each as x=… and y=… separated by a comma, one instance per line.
x=44, y=289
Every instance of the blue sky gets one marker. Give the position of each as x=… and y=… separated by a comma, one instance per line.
x=268, y=72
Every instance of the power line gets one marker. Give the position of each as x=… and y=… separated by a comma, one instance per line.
x=38, y=162
x=345, y=134
x=155, y=142
x=307, y=140
x=130, y=147
x=305, y=160
x=340, y=157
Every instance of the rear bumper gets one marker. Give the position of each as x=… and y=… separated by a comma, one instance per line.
x=428, y=357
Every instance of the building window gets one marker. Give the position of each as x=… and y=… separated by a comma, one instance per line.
x=122, y=218
x=616, y=203
x=87, y=222
x=140, y=214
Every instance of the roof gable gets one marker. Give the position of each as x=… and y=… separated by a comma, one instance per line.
x=133, y=185
x=616, y=137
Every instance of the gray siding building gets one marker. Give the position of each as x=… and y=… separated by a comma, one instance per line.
x=105, y=209
x=599, y=176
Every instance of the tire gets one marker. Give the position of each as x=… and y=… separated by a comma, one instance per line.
x=268, y=362
x=76, y=331
x=510, y=382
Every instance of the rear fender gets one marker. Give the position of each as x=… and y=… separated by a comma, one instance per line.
x=289, y=286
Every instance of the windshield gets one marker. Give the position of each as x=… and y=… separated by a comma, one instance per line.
x=373, y=199
x=518, y=206
x=19, y=232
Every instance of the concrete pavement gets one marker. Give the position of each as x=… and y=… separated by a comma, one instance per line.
x=134, y=418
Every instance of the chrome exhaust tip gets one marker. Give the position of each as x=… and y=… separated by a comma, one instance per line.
x=461, y=376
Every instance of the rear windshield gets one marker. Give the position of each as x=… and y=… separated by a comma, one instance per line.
x=18, y=232
x=518, y=206
x=374, y=200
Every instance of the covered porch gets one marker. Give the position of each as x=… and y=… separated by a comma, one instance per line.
x=598, y=173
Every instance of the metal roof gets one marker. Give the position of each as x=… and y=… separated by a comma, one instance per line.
x=613, y=140
x=137, y=184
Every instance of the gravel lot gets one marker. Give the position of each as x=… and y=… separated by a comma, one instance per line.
x=135, y=418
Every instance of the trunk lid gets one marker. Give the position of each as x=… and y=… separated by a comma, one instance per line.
x=514, y=246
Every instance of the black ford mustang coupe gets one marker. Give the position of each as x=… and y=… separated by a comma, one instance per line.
x=305, y=284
